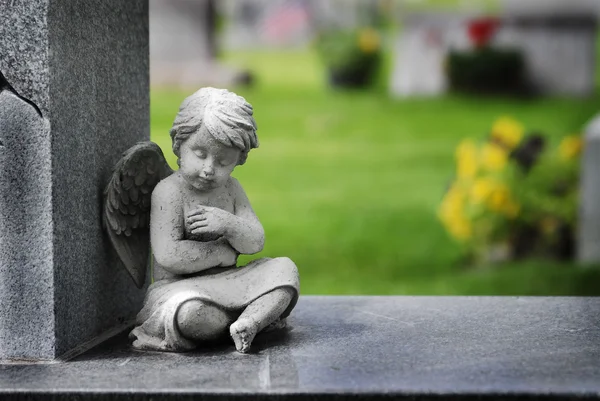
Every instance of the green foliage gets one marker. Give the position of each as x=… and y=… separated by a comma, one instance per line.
x=548, y=190
x=351, y=57
x=453, y=5
x=513, y=196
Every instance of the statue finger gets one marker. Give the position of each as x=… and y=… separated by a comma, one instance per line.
x=196, y=212
x=198, y=224
x=200, y=230
x=195, y=218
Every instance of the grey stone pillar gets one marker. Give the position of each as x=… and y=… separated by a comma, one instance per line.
x=83, y=65
x=589, y=220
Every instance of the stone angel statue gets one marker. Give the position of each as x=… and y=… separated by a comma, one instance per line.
x=196, y=221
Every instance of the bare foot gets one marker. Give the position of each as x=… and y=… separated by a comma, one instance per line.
x=243, y=332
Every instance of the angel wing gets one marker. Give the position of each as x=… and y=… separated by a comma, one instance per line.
x=127, y=205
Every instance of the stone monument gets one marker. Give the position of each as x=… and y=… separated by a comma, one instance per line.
x=420, y=51
x=588, y=249
x=184, y=46
x=75, y=95
x=558, y=40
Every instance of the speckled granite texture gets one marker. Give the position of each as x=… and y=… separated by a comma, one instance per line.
x=85, y=64
x=357, y=348
x=24, y=48
x=26, y=276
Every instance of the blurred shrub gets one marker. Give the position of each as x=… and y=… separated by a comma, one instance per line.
x=486, y=70
x=352, y=58
x=513, y=197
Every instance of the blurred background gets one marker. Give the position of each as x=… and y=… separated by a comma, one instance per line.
x=406, y=147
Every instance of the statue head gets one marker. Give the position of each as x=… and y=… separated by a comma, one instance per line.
x=212, y=134
x=227, y=117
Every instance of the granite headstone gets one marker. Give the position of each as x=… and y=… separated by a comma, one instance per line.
x=558, y=41
x=182, y=41
x=588, y=250
x=420, y=50
x=76, y=95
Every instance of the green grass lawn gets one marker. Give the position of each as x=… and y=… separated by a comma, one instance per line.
x=347, y=183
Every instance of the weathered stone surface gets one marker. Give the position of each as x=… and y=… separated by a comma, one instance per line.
x=100, y=107
x=365, y=348
x=85, y=63
x=24, y=48
x=26, y=277
x=588, y=240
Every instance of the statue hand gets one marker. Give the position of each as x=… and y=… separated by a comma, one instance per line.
x=209, y=220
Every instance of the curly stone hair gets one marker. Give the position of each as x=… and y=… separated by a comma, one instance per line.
x=226, y=116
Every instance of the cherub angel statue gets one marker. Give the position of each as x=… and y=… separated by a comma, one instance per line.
x=197, y=220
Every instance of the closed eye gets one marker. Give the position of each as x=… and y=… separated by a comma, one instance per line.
x=200, y=153
x=225, y=162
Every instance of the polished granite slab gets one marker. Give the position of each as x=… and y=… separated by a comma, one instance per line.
x=356, y=348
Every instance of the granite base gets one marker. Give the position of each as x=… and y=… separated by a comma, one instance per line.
x=365, y=348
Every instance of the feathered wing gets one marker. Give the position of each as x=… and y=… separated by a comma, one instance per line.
x=127, y=205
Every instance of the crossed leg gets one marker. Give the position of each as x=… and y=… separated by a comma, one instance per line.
x=258, y=315
x=201, y=321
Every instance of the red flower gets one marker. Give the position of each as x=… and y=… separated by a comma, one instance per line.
x=481, y=30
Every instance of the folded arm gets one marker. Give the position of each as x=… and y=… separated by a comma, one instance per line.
x=245, y=233
x=171, y=250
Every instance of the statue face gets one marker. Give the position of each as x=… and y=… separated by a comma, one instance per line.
x=206, y=163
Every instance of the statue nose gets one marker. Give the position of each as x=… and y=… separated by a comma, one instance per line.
x=208, y=169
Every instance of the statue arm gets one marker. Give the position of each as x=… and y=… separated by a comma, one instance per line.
x=172, y=252
x=245, y=233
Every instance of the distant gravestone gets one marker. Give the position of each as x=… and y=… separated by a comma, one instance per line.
x=589, y=216
x=420, y=51
x=79, y=98
x=559, y=50
x=182, y=42
x=184, y=46
x=557, y=39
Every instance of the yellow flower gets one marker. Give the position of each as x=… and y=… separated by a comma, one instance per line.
x=493, y=157
x=466, y=159
x=451, y=213
x=482, y=189
x=452, y=203
x=460, y=228
x=508, y=132
x=500, y=200
x=495, y=195
x=570, y=147
x=368, y=40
